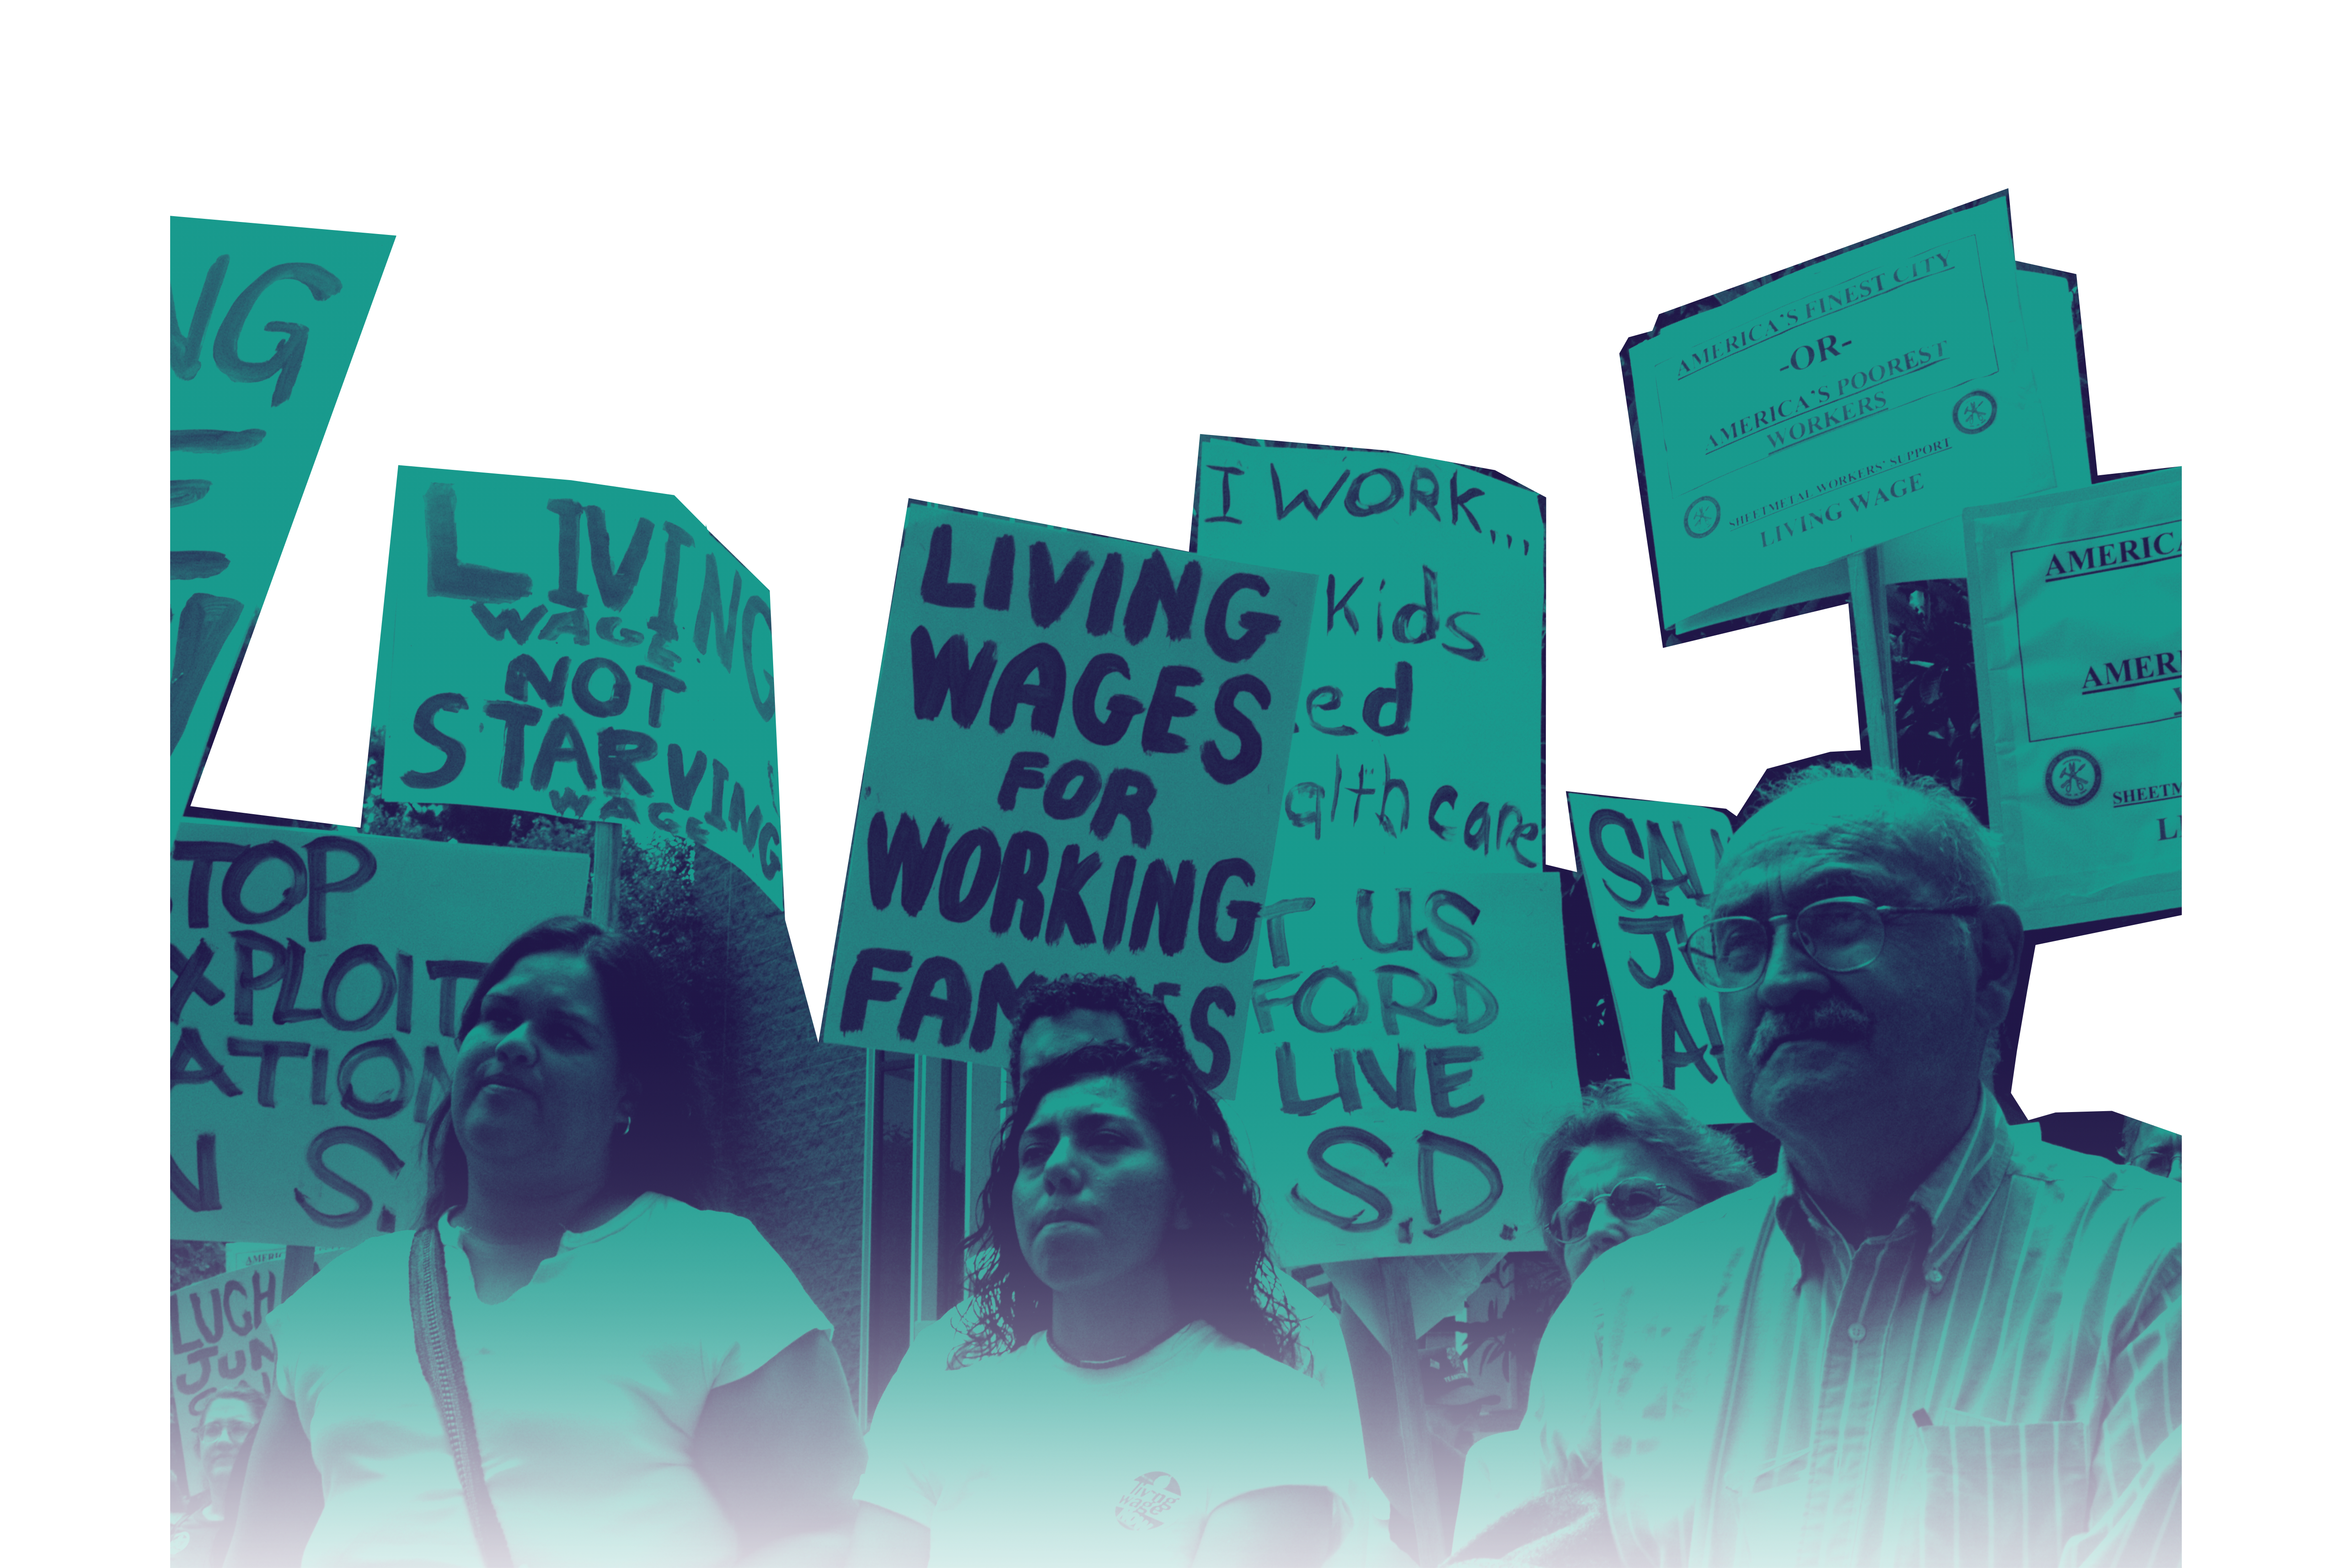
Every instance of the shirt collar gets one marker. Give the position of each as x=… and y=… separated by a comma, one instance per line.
x=642, y=1204
x=1954, y=1196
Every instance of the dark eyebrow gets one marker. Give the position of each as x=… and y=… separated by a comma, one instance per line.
x=1087, y=1122
x=557, y=1004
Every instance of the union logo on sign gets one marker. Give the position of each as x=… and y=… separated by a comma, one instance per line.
x=1700, y=517
x=2072, y=776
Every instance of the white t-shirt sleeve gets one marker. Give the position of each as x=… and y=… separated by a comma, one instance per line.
x=362, y=1300
x=901, y=1471
x=1284, y=1429
x=751, y=1304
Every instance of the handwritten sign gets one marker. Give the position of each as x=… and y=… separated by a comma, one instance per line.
x=316, y=983
x=264, y=323
x=582, y=651
x=219, y=1341
x=2076, y=600
x=1792, y=422
x=1420, y=744
x=1074, y=764
x=1649, y=868
x=1409, y=1052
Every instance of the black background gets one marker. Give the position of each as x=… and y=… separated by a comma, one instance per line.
x=796, y=380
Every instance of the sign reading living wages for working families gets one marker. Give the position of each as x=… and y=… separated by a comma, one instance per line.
x=2076, y=600
x=1074, y=764
x=219, y=1341
x=317, y=978
x=264, y=323
x=582, y=651
x=1409, y=1052
x=1648, y=869
x=1420, y=736
x=1837, y=405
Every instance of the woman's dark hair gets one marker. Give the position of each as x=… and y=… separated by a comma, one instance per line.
x=1618, y=1109
x=1146, y=1017
x=664, y=1149
x=1214, y=1265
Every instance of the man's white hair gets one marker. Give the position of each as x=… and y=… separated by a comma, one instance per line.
x=1915, y=817
x=1922, y=821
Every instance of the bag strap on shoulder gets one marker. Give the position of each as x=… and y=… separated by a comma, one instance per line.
x=445, y=1374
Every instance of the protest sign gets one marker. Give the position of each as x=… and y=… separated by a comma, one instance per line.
x=1648, y=869
x=1420, y=741
x=582, y=651
x=219, y=1341
x=264, y=323
x=317, y=978
x=1074, y=764
x=1788, y=424
x=2077, y=599
x=1410, y=1049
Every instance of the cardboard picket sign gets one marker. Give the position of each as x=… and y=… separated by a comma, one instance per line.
x=317, y=979
x=220, y=1340
x=1863, y=397
x=1421, y=735
x=2076, y=601
x=1409, y=1052
x=1074, y=764
x=1648, y=869
x=264, y=324
x=579, y=650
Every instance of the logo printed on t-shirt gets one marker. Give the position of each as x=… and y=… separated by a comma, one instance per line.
x=1154, y=1494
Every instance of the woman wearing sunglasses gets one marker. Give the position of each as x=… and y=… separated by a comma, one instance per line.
x=1626, y=1162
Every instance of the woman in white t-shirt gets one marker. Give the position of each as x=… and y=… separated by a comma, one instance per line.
x=1122, y=1396
x=641, y=1382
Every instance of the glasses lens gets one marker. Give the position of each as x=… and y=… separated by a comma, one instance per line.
x=1842, y=934
x=1567, y=1224
x=1635, y=1200
x=1730, y=952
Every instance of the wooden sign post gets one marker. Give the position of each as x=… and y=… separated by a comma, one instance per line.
x=604, y=872
x=1866, y=575
x=1429, y=1543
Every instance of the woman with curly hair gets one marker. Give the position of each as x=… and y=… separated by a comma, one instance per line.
x=1121, y=1395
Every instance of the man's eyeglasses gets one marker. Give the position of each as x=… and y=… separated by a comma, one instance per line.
x=1841, y=935
x=1634, y=1199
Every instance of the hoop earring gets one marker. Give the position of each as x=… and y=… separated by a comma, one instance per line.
x=627, y=1123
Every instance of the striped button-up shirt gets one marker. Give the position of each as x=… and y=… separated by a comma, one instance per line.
x=1996, y=1381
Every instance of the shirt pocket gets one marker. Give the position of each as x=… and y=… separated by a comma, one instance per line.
x=1761, y=1522
x=2003, y=1495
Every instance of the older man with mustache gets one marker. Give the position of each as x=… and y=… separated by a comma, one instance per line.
x=1923, y=1341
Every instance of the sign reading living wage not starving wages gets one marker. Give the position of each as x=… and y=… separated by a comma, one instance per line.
x=317, y=979
x=1407, y=1053
x=1838, y=406
x=580, y=651
x=1074, y=766
x=1648, y=869
x=2076, y=606
x=264, y=324
x=219, y=1341
x=1420, y=738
